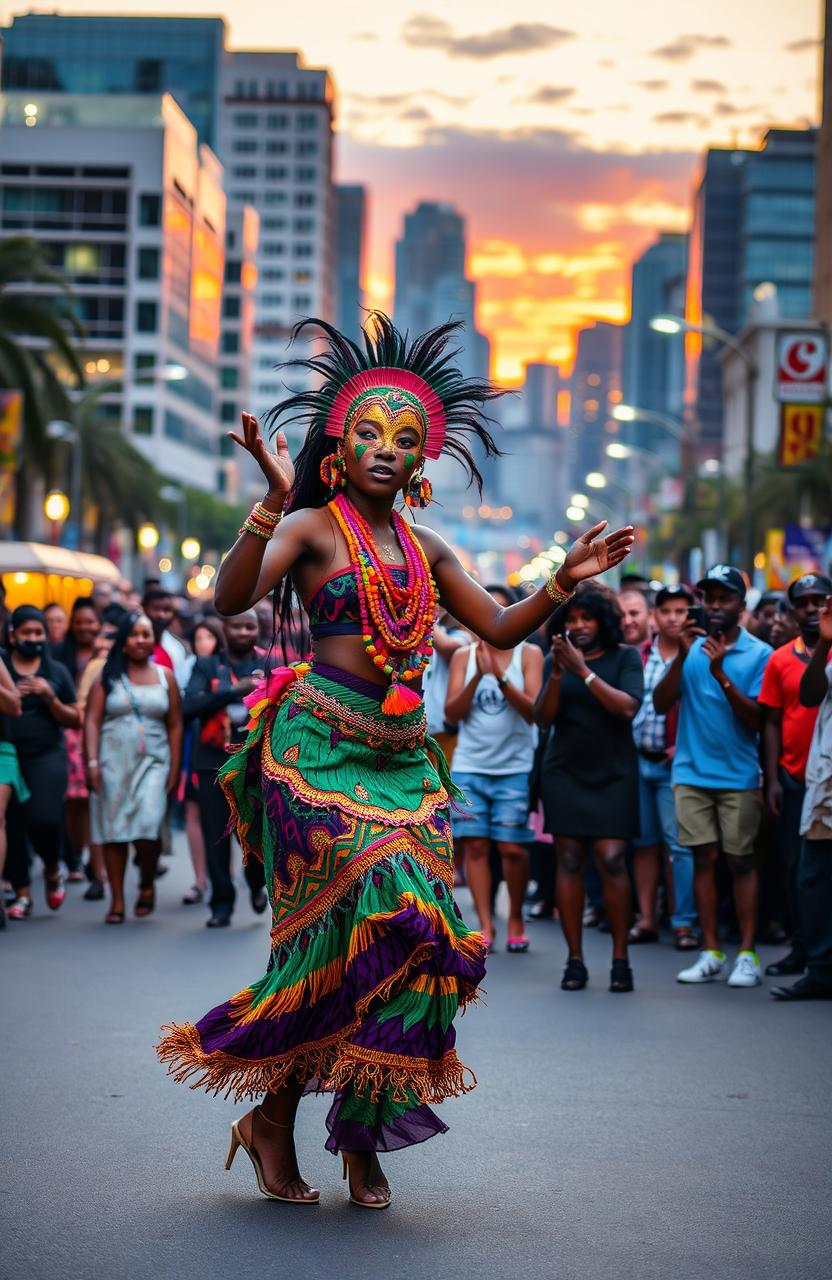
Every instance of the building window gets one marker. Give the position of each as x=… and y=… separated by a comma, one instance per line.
x=277, y=120
x=271, y=300
x=245, y=119
x=303, y=226
x=276, y=172
x=150, y=210
x=306, y=173
x=276, y=147
x=244, y=145
x=233, y=267
x=307, y=120
x=148, y=264
x=231, y=307
x=146, y=317
x=272, y=273
x=230, y=342
x=142, y=420
x=273, y=224
x=229, y=378
x=244, y=197
x=301, y=277
x=144, y=362
x=305, y=199
x=244, y=171
x=302, y=302
x=275, y=197
x=228, y=411
x=303, y=250
x=306, y=148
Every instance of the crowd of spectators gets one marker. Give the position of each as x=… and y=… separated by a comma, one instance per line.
x=658, y=765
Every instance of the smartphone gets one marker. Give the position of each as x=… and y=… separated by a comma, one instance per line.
x=696, y=615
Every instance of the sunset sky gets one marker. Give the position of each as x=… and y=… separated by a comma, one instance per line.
x=566, y=135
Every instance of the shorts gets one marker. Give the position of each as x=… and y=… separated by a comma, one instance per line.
x=499, y=807
x=706, y=815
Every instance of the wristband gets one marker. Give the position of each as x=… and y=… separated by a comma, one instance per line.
x=555, y=591
x=588, y=679
x=503, y=680
x=261, y=522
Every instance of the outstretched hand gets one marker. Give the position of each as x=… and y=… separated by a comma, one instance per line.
x=276, y=466
x=592, y=555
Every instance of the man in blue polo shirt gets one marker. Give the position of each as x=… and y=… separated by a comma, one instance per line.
x=717, y=675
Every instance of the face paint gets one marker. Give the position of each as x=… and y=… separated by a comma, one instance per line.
x=388, y=425
x=360, y=450
x=409, y=460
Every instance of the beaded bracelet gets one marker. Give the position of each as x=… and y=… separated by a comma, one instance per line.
x=261, y=522
x=555, y=592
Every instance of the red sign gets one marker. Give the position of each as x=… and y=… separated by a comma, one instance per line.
x=801, y=433
x=802, y=373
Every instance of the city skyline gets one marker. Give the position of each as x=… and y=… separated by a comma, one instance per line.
x=592, y=130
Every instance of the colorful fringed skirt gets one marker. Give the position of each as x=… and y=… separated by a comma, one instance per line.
x=348, y=809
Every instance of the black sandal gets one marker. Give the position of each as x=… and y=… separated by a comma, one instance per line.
x=575, y=975
x=621, y=977
x=145, y=903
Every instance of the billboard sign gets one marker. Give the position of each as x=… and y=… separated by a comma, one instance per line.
x=801, y=373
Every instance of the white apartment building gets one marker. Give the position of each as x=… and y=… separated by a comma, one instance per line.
x=242, y=234
x=131, y=209
x=276, y=146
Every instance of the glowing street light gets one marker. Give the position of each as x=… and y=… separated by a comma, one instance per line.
x=147, y=536
x=579, y=500
x=596, y=480
x=190, y=548
x=617, y=450
x=667, y=324
x=575, y=513
x=56, y=506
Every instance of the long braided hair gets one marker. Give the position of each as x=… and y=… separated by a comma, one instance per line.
x=463, y=399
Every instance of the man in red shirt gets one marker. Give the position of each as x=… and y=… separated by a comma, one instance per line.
x=786, y=740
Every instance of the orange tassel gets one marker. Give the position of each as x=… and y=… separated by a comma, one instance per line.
x=400, y=701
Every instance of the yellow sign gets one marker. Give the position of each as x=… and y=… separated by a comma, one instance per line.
x=11, y=407
x=801, y=433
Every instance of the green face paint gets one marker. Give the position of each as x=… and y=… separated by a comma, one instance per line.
x=360, y=450
x=409, y=460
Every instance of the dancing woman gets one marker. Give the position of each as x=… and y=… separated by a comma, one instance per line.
x=337, y=788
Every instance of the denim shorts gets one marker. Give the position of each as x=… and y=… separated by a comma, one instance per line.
x=499, y=807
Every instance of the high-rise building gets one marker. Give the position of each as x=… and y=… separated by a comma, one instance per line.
x=131, y=209
x=61, y=53
x=753, y=223
x=350, y=220
x=595, y=388
x=530, y=476
x=431, y=284
x=431, y=288
x=242, y=234
x=823, y=216
x=276, y=145
x=653, y=375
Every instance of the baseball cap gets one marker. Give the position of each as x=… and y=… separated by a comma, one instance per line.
x=810, y=584
x=724, y=575
x=676, y=592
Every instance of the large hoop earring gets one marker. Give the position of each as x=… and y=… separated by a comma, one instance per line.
x=419, y=492
x=333, y=471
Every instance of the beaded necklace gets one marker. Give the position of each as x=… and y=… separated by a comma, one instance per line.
x=396, y=620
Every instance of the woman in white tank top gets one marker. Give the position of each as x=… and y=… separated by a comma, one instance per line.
x=491, y=696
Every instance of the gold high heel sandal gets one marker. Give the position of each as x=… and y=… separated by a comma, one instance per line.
x=366, y=1204
x=237, y=1140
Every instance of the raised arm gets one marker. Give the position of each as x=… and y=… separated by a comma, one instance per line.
x=255, y=566
x=504, y=628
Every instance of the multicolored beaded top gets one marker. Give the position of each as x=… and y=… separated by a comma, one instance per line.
x=396, y=618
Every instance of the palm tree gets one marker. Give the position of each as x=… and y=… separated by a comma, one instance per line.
x=117, y=482
x=34, y=345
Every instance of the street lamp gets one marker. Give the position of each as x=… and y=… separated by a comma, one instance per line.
x=678, y=324
x=147, y=536
x=190, y=548
x=633, y=413
x=596, y=480
x=579, y=500
x=60, y=430
x=56, y=509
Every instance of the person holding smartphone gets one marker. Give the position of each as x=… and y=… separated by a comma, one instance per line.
x=655, y=739
x=716, y=677
x=214, y=698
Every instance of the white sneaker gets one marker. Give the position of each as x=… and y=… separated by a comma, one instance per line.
x=710, y=967
x=746, y=970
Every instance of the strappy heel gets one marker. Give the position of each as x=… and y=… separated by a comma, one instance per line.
x=575, y=975
x=365, y=1204
x=621, y=977
x=237, y=1140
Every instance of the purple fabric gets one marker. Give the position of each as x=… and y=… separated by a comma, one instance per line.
x=349, y=681
x=416, y=1125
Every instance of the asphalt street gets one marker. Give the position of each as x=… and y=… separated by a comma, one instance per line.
x=675, y=1133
